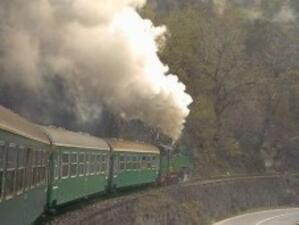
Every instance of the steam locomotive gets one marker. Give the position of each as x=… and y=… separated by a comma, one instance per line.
x=44, y=168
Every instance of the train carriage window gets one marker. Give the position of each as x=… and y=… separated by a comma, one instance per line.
x=122, y=163
x=65, y=164
x=41, y=169
x=104, y=163
x=21, y=169
x=134, y=162
x=36, y=171
x=92, y=163
x=74, y=164
x=28, y=161
x=56, y=166
x=115, y=163
x=38, y=166
x=128, y=162
x=2, y=152
x=44, y=166
x=95, y=163
x=99, y=163
x=81, y=164
x=87, y=165
x=10, y=171
x=138, y=162
x=149, y=162
x=144, y=162
x=33, y=161
x=154, y=162
x=131, y=163
x=33, y=166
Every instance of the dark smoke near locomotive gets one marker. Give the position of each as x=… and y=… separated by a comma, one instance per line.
x=59, y=111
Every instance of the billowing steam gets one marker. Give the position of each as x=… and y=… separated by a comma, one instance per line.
x=102, y=50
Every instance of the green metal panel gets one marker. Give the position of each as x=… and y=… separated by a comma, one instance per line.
x=25, y=208
x=64, y=190
x=133, y=177
x=71, y=189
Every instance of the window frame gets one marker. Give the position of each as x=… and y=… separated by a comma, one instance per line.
x=81, y=164
x=64, y=164
x=44, y=166
x=98, y=163
x=87, y=163
x=138, y=162
x=57, y=167
x=134, y=162
x=28, y=170
x=21, y=148
x=39, y=159
x=116, y=164
x=34, y=156
x=73, y=163
x=128, y=162
x=144, y=162
x=122, y=162
x=13, y=146
x=149, y=162
x=92, y=163
x=104, y=163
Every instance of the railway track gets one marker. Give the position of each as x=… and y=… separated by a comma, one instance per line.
x=89, y=210
x=230, y=178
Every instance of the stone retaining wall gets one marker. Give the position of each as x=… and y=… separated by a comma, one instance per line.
x=194, y=203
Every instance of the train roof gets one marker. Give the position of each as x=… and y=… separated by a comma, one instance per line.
x=14, y=123
x=65, y=138
x=131, y=146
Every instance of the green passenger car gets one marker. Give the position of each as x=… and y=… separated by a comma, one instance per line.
x=48, y=167
x=79, y=166
x=23, y=170
x=133, y=163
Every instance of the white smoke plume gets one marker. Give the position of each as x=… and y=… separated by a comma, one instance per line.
x=104, y=51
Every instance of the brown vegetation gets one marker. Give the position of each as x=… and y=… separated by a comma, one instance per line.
x=243, y=74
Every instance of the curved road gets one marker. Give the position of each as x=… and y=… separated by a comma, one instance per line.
x=268, y=217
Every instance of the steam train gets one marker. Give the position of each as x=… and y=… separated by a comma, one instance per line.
x=44, y=168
